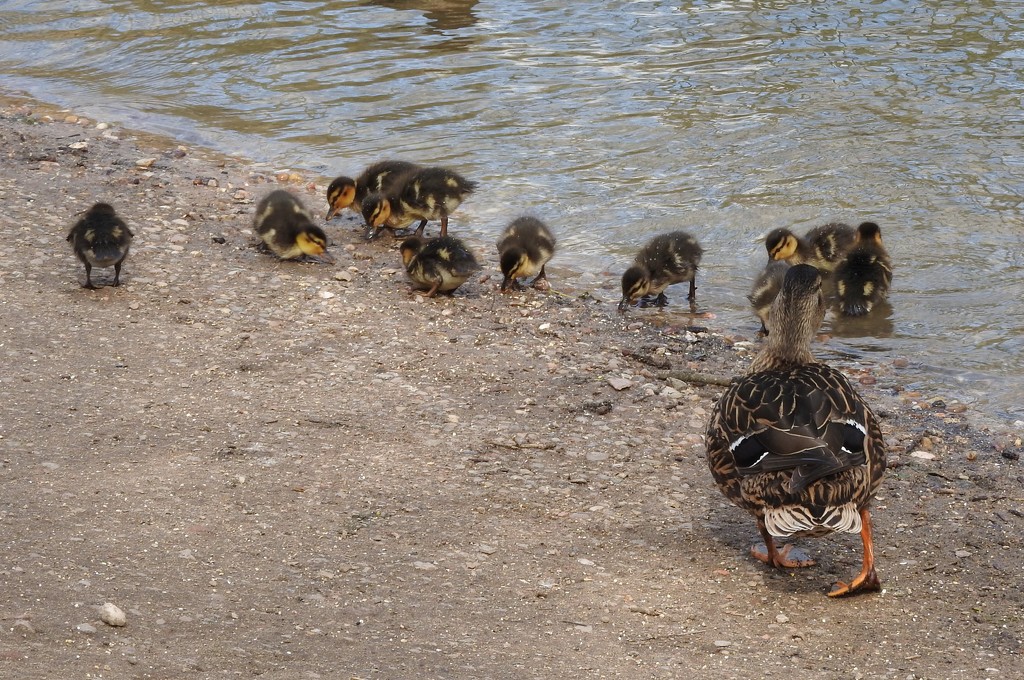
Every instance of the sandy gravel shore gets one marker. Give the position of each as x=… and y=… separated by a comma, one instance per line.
x=286, y=470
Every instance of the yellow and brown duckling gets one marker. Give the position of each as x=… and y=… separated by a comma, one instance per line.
x=424, y=194
x=345, y=192
x=793, y=443
x=287, y=229
x=439, y=265
x=823, y=246
x=863, y=278
x=665, y=260
x=766, y=288
x=101, y=239
x=524, y=248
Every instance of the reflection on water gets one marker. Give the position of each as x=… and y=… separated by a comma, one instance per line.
x=613, y=121
x=441, y=15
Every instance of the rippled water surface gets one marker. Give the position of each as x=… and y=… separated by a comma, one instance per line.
x=617, y=120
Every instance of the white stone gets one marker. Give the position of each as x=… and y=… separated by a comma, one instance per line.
x=112, y=615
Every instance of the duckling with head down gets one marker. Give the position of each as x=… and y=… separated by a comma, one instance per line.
x=793, y=443
x=524, y=248
x=666, y=259
x=101, y=239
x=823, y=246
x=424, y=194
x=286, y=228
x=863, y=278
x=442, y=264
x=766, y=288
x=345, y=192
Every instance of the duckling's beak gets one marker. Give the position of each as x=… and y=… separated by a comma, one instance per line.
x=331, y=213
x=624, y=304
x=327, y=257
x=372, y=234
x=504, y=283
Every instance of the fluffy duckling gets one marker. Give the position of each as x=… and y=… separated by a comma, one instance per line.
x=101, y=239
x=822, y=247
x=793, y=443
x=766, y=288
x=443, y=264
x=863, y=278
x=424, y=194
x=287, y=228
x=524, y=248
x=346, y=192
x=666, y=259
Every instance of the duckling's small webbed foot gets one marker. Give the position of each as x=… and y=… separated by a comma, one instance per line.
x=661, y=300
x=540, y=282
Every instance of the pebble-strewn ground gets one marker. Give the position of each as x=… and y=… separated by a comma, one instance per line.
x=285, y=470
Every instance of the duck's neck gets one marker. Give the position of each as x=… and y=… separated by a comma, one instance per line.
x=788, y=344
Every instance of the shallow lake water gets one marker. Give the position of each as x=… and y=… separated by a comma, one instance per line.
x=614, y=121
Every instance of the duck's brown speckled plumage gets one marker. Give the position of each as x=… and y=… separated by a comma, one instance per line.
x=864, y=276
x=665, y=260
x=823, y=246
x=793, y=443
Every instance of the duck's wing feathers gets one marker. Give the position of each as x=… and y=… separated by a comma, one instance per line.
x=808, y=420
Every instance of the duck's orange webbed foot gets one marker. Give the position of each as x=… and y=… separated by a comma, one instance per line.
x=788, y=557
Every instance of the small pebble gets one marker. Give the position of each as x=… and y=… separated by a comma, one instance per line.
x=145, y=162
x=112, y=615
x=619, y=384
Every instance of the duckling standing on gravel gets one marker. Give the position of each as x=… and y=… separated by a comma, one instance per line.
x=443, y=264
x=101, y=239
x=424, y=194
x=823, y=247
x=287, y=228
x=524, y=248
x=793, y=443
x=863, y=278
x=345, y=192
x=666, y=259
x=766, y=288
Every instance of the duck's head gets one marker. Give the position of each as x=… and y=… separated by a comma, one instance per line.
x=514, y=261
x=869, y=232
x=636, y=283
x=798, y=311
x=410, y=248
x=376, y=211
x=100, y=210
x=340, y=194
x=312, y=241
x=781, y=244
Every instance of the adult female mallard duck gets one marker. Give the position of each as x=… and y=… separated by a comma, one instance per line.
x=524, y=248
x=424, y=194
x=822, y=247
x=863, y=278
x=766, y=288
x=345, y=192
x=286, y=227
x=665, y=259
x=794, y=444
x=443, y=264
x=101, y=239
